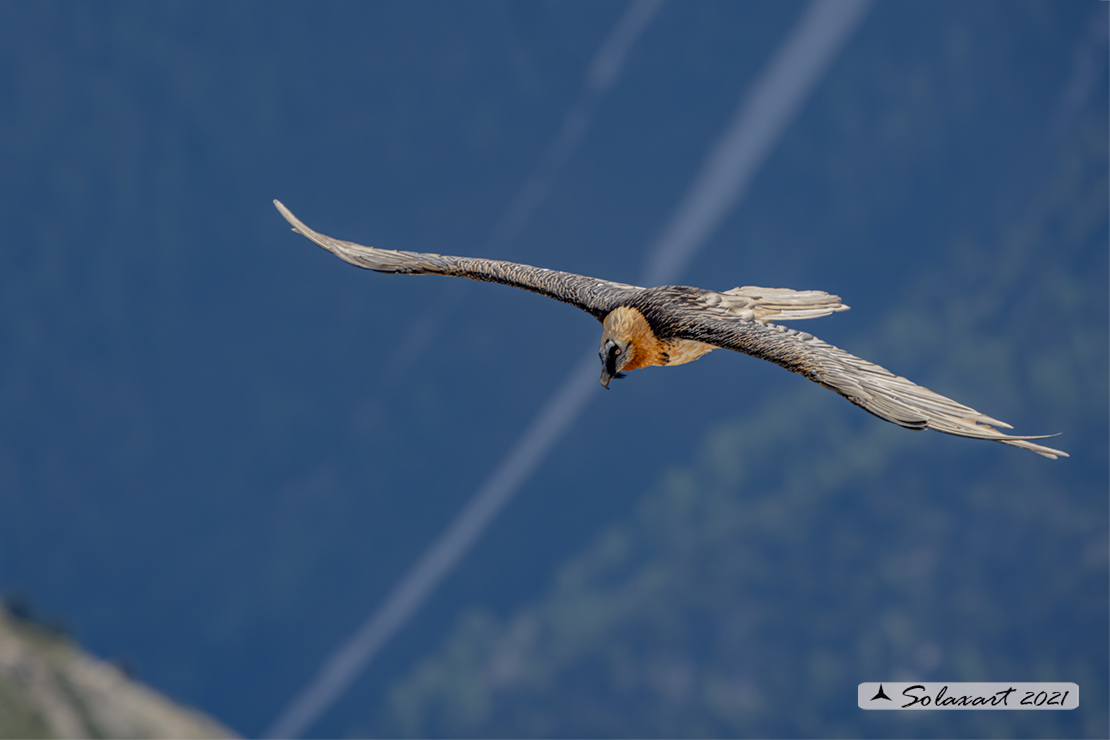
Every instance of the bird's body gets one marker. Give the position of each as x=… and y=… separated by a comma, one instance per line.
x=673, y=325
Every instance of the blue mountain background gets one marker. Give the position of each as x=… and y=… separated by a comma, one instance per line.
x=220, y=447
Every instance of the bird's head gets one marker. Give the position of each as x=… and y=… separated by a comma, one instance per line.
x=615, y=356
x=623, y=343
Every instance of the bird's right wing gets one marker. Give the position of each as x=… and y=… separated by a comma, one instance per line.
x=869, y=386
x=595, y=296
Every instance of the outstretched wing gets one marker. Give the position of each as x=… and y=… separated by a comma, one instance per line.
x=592, y=295
x=874, y=388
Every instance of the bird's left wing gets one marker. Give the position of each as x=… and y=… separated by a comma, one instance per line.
x=874, y=388
x=592, y=295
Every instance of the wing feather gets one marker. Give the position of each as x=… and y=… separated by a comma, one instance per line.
x=869, y=386
x=592, y=295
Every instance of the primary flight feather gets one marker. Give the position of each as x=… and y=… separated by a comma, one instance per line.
x=673, y=324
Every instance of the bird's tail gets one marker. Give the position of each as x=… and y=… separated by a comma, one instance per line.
x=783, y=304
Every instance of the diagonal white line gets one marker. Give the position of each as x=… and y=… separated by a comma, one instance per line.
x=352, y=657
x=603, y=72
x=757, y=125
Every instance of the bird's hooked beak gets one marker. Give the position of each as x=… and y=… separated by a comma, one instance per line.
x=609, y=353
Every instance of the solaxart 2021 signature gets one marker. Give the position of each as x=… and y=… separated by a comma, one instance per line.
x=918, y=695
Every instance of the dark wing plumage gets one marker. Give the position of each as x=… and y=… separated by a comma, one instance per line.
x=592, y=295
x=689, y=314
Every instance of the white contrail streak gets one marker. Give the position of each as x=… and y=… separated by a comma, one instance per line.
x=352, y=657
x=603, y=72
x=757, y=125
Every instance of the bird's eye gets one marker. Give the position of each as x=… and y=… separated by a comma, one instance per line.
x=617, y=351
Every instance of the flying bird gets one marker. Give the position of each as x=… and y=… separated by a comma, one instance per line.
x=675, y=324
